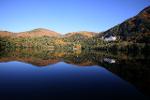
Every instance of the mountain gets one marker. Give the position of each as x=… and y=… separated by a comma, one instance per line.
x=38, y=33
x=82, y=33
x=79, y=36
x=136, y=29
x=45, y=32
x=5, y=34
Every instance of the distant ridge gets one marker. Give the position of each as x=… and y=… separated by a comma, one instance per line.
x=39, y=32
x=81, y=33
x=135, y=29
x=5, y=34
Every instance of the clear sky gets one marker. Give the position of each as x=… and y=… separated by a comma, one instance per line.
x=66, y=16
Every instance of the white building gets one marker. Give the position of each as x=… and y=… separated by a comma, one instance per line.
x=108, y=60
x=110, y=38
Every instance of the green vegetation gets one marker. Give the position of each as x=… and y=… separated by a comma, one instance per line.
x=133, y=67
x=44, y=42
x=72, y=43
x=6, y=43
x=133, y=35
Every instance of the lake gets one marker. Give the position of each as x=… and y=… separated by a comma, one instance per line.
x=78, y=75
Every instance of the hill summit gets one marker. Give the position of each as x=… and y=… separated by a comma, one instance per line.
x=135, y=29
x=38, y=33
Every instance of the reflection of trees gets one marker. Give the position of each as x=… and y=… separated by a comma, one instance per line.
x=135, y=71
x=73, y=57
x=131, y=67
x=43, y=57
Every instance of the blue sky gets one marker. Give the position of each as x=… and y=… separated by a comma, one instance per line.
x=66, y=16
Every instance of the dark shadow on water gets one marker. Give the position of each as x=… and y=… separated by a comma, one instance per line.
x=28, y=74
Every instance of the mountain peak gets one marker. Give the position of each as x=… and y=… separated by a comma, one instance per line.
x=39, y=32
x=145, y=10
x=134, y=29
x=83, y=33
x=41, y=29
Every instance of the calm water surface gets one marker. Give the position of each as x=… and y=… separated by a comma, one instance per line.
x=74, y=76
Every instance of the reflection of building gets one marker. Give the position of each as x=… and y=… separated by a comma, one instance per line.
x=77, y=52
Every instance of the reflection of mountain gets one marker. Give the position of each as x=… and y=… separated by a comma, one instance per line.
x=134, y=71
x=131, y=67
x=28, y=57
x=44, y=58
x=38, y=62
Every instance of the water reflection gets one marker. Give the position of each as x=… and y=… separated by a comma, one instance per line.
x=109, y=60
x=73, y=74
